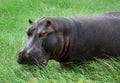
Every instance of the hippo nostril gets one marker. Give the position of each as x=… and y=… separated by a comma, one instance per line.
x=29, y=53
x=21, y=54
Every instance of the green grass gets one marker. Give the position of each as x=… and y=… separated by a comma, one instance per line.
x=14, y=15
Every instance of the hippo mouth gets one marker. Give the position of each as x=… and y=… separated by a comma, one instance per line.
x=32, y=60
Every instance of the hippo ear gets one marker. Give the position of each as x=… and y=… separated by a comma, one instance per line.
x=51, y=24
x=30, y=21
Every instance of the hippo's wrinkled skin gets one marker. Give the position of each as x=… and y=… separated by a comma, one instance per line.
x=72, y=40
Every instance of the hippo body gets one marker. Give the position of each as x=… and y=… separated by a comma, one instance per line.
x=72, y=40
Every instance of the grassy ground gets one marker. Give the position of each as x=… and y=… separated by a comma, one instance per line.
x=13, y=22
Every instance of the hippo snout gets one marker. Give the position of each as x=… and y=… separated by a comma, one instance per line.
x=24, y=56
x=31, y=57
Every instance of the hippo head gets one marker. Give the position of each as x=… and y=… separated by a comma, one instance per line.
x=43, y=40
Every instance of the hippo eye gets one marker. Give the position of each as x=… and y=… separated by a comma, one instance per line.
x=42, y=33
x=28, y=33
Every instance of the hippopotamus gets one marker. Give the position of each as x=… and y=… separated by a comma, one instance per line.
x=71, y=40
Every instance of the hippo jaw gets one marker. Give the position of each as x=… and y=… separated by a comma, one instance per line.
x=32, y=59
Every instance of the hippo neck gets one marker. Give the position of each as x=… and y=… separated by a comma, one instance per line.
x=61, y=50
x=75, y=32
x=63, y=55
x=72, y=29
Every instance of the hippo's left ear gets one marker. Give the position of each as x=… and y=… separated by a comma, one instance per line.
x=51, y=24
x=30, y=21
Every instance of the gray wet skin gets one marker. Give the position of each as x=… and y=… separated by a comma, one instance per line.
x=72, y=40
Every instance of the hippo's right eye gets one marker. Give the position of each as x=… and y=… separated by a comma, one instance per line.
x=28, y=33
